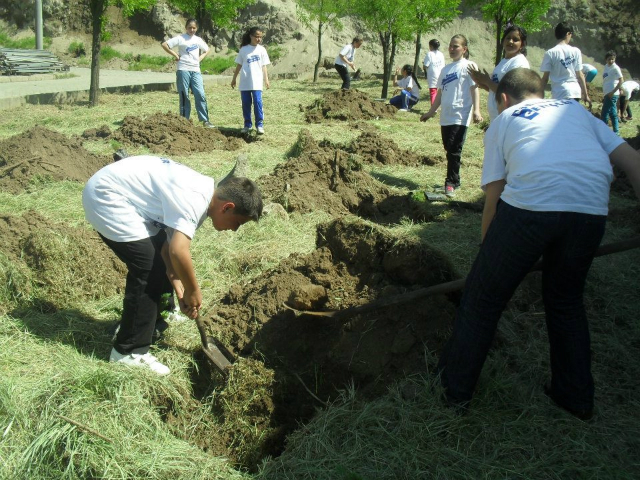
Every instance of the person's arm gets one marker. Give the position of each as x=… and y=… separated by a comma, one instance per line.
x=434, y=108
x=204, y=54
x=235, y=75
x=475, y=97
x=583, y=87
x=627, y=159
x=346, y=60
x=166, y=48
x=172, y=275
x=395, y=77
x=492, y=192
x=180, y=259
x=624, y=101
x=545, y=79
x=617, y=87
x=266, y=77
x=482, y=78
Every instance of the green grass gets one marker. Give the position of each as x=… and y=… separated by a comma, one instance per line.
x=53, y=364
x=25, y=43
x=217, y=65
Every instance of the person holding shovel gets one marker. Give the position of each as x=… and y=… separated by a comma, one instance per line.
x=546, y=175
x=147, y=209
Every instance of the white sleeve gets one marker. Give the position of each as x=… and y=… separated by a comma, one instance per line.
x=493, y=165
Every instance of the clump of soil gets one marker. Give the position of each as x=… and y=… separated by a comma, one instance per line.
x=346, y=105
x=170, y=134
x=595, y=93
x=313, y=358
x=43, y=153
x=66, y=265
x=322, y=176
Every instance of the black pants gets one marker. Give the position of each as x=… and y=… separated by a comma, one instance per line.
x=147, y=281
x=344, y=75
x=453, y=137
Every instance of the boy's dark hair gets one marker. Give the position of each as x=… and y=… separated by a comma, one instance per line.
x=246, y=38
x=244, y=193
x=434, y=43
x=562, y=29
x=357, y=40
x=523, y=37
x=609, y=54
x=520, y=83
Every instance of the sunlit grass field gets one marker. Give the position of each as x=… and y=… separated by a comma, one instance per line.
x=53, y=366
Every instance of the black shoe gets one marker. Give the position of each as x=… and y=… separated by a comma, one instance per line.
x=581, y=414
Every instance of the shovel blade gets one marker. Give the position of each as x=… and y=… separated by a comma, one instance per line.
x=218, y=359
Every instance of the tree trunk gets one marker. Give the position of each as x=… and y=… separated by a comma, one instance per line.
x=98, y=8
x=392, y=56
x=416, y=60
x=385, y=41
x=317, y=66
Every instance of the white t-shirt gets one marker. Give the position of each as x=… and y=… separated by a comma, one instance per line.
x=610, y=76
x=433, y=63
x=189, y=51
x=562, y=62
x=407, y=83
x=252, y=58
x=506, y=64
x=586, y=68
x=627, y=88
x=348, y=52
x=138, y=196
x=554, y=156
x=456, y=101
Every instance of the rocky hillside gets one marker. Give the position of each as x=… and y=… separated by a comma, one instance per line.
x=600, y=25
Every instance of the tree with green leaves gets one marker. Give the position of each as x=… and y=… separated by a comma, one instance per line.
x=318, y=16
x=391, y=22
x=526, y=13
x=98, y=9
x=212, y=15
x=431, y=15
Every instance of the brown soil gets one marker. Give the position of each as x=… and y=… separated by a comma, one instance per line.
x=311, y=358
x=346, y=105
x=170, y=134
x=595, y=93
x=323, y=176
x=67, y=264
x=43, y=153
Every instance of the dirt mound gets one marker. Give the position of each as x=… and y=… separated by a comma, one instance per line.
x=43, y=153
x=59, y=264
x=595, y=93
x=323, y=176
x=170, y=134
x=346, y=105
x=354, y=263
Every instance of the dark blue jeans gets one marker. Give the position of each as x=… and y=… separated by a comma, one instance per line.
x=344, y=75
x=515, y=241
x=405, y=100
x=146, y=282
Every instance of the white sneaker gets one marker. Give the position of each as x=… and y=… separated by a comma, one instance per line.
x=176, y=316
x=260, y=130
x=403, y=110
x=245, y=129
x=139, y=360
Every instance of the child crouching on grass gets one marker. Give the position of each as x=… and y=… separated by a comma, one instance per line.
x=147, y=209
x=409, y=89
x=546, y=174
x=252, y=61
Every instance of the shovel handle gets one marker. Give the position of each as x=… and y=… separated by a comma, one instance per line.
x=203, y=332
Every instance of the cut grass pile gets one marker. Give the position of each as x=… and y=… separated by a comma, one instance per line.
x=131, y=424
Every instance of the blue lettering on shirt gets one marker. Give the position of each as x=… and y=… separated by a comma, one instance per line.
x=253, y=58
x=495, y=79
x=566, y=63
x=159, y=225
x=605, y=75
x=532, y=112
x=451, y=77
x=191, y=48
x=165, y=160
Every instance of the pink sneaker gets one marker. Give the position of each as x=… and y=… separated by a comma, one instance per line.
x=449, y=191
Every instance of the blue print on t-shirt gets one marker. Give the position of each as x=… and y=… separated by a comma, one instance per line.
x=253, y=58
x=566, y=63
x=451, y=77
x=530, y=113
x=191, y=48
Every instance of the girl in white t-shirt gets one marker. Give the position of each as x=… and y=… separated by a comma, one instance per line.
x=514, y=45
x=433, y=63
x=458, y=95
x=191, y=51
x=409, y=89
x=251, y=64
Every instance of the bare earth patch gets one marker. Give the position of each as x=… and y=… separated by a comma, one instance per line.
x=346, y=105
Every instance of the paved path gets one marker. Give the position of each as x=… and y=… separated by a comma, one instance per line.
x=16, y=90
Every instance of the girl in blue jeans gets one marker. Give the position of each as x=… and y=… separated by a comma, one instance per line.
x=191, y=51
x=251, y=64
